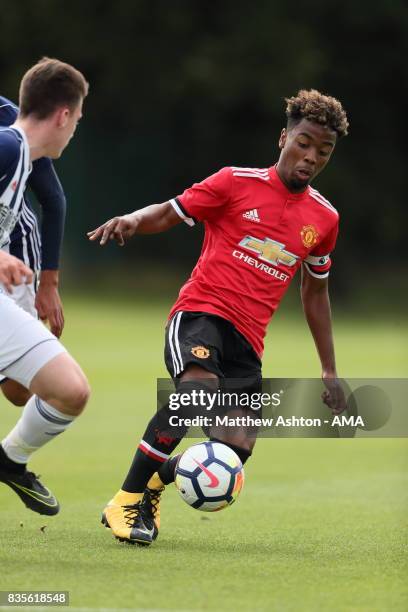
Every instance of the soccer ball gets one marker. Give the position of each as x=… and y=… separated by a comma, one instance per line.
x=209, y=476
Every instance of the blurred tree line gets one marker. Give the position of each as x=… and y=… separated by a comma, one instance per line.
x=182, y=88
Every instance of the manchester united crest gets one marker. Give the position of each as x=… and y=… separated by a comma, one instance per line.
x=309, y=236
x=201, y=352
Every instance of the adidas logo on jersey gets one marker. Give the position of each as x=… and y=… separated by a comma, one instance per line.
x=252, y=215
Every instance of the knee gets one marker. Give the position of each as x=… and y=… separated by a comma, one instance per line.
x=62, y=383
x=77, y=396
x=194, y=372
x=80, y=396
x=243, y=449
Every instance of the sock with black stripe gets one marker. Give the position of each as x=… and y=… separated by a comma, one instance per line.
x=157, y=444
x=154, y=449
x=39, y=423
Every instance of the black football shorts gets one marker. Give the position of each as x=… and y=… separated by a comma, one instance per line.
x=210, y=342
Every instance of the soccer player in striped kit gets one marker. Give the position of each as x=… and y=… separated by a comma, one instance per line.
x=261, y=226
x=40, y=251
x=50, y=101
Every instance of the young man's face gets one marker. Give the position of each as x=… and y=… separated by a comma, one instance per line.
x=64, y=126
x=305, y=150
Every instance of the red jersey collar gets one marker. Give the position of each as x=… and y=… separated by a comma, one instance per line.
x=280, y=185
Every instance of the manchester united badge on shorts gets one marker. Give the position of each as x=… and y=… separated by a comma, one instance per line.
x=309, y=236
x=201, y=352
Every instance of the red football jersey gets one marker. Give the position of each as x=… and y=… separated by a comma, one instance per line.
x=257, y=234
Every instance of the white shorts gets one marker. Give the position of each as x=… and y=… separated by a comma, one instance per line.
x=24, y=296
x=26, y=345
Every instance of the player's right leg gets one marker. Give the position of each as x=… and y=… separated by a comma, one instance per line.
x=133, y=514
x=33, y=357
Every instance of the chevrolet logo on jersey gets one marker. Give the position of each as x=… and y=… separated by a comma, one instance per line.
x=269, y=250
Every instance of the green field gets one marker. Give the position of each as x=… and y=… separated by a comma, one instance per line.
x=320, y=525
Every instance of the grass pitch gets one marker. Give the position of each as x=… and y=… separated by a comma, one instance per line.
x=320, y=525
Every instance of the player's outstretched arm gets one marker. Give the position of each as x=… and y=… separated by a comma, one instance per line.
x=13, y=271
x=150, y=220
x=316, y=306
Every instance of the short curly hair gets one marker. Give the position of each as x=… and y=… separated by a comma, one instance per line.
x=319, y=108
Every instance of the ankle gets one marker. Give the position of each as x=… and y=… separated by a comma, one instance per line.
x=155, y=482
x=9, y=464
x=126, y=498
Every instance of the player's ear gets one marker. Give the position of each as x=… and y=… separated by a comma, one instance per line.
x=62, y=116
x=282, y=138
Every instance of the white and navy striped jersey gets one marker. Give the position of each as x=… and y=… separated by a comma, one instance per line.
x=15, y=167
x=38, y=249
x=24, y=240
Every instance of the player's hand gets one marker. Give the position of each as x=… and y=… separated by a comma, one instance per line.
x=118, y=228
x=334, y=396
x=48, y=302
x=13, y=271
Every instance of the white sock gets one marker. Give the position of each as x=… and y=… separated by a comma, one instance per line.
x=38, y=424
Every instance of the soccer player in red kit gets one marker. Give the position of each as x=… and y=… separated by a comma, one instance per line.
x=261, y=226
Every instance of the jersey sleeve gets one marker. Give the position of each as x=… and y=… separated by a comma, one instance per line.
x=9, y=147
x=8, y=112
x=48, y=190
x=318, y=262
x=9, y=156
x=204, y=201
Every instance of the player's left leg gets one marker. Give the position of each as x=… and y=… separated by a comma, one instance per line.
x=239, y=439
x=244, y=368
x=14, y=392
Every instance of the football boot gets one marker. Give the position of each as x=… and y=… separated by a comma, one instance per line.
x=123, y=515
x=151, y=503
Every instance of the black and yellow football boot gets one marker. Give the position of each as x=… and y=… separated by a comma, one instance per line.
x=151, y=503
x=123, y=515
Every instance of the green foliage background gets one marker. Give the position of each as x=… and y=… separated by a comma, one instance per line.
x=180, y=89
